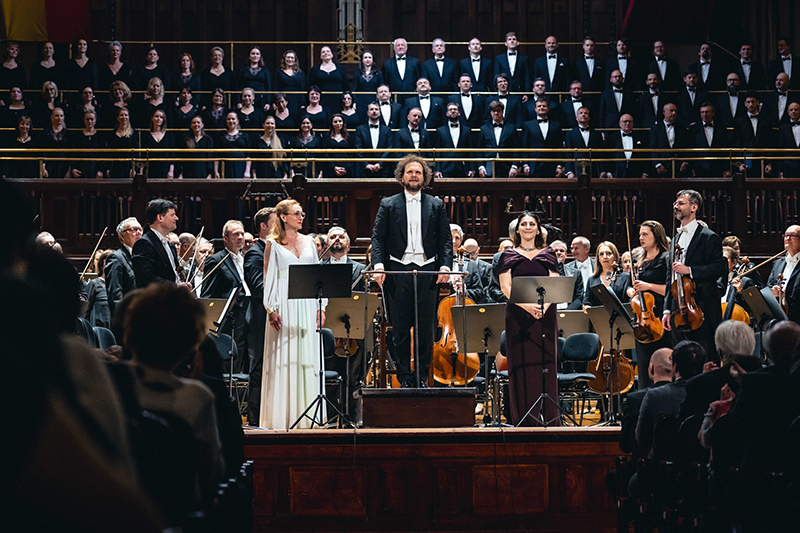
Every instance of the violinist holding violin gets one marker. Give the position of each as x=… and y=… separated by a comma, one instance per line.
x=787, y=289
x=650, y=271
x=696, y=262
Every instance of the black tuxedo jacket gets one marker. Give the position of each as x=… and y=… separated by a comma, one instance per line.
x=254, y=271
x=561, y=77
x=764, y=137
x=222, y=280
x=512, y=113
x=769, y=106
x=647, y=114
x=391, y=76
x=609, y=114
x=364, y=140
x=394, y=116
x=475, y=119
x=690, y=112
x=633, y=167
x=596, y=82
x=443, y=139
x=567, y=112
x=520, y=81
x=508, y=139
x=402, y=139
x=446, y=83
x=390, y=233
x=776, y=67
x=574, y=139
x=660, y=140
x=532, y=138
x=358, y=268
x=723, y=114
x=485, y=82
x=789, y=167
x=673, y=80
x=150, y=260
x=790, y=287
x=721, y=139
x=758, y=76
x=120, y=278
x=704, y=256
x=632, y=75
x=436, y=112
x=717, y=73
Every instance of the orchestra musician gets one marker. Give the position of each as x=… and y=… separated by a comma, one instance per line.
x=608, y=272
x=786, y=291
x=702, y=261
x=652, y=267
x=154, y=257
x=412, y=232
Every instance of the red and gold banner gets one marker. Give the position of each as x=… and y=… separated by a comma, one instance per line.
x=45, y=20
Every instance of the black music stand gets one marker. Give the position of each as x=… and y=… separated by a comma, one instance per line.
x=225, y=316
x=764, y=307
x=609, y=313
x=484, y=325
x=318, y=282
x=341, y=317
x=542, y=290
x=572, y=321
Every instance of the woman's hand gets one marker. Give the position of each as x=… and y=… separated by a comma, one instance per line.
x=535, y=310
x=275, y=320
x=320, y=319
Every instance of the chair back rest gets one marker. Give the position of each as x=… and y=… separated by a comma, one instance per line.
x=328, y=343
x=105, y=337
x=689, y=443
x=666, y=443
x=581, y=347
x=225, y=345
x=503, y=343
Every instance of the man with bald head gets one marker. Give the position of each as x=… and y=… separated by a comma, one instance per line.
x=659, y=372
x=483, y=270
x=615, y=101
x=552, y=67
x=776, y=103
x=669, y=133
x=629, y=164
x=787, y=290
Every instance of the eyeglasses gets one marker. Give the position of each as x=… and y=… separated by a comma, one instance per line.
x=136, y=230
x=299, y=214
x=790, y=236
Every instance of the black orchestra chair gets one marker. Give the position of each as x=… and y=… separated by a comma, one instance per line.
x=105, y=337
x=239, y=384
x=332, y=377
x=578, y=350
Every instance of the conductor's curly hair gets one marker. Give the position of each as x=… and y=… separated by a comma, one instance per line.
x=411, y=158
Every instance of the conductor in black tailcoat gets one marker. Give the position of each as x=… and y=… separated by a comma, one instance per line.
x=421, y=217
x=702, y=261
x=154, y=258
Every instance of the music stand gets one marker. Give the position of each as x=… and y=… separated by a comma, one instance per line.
x=215, y=309
x=542, y=290
x=225, y=315
x=341, y=317
x=764, y=307
x=484, y=325
x=318, y=282
x=572, y=321
x=609, y=315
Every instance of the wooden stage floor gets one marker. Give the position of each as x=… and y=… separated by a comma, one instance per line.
x=465, y=479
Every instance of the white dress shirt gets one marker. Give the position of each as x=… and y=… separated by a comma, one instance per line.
x=618, y=97
x=733, y=101
x=552, y=63
x=754, y=123
x=466, y=105
x=783, y=99
x=545, y=127
x=685, y=236
x=512, y=63
x=425, y=105
x=791, y=263
x=796, y=133
x=787, y=65
x=585, y=135
x=589, y=65
x=238, y=262
x=401, y=66
x=709, y=131
x=476, y=66
x=662, y=67
x=654, y=101
x=414, y=136
x=439, y=65
x=386, y=113
x=623, y=65
x=692, y=94
x=415, y=251
x=670, y=129
x=374, y=134
x=341, y=260
x=585, y=268
x=627, y=144
x=746, y=70
x=455, y=133
x=705, y=69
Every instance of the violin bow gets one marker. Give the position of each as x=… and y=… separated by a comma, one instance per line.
x=215, y=267
x=195, y=245
x=91, y=257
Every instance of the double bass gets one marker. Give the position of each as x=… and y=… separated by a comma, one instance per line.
x=447, y=364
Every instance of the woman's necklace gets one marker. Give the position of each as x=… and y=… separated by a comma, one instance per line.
x=527, y=249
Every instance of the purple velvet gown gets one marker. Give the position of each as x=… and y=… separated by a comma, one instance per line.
x=525, y=348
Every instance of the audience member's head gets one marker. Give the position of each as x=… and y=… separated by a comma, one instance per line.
x=660, y=368
x=734, y=338
x=780, y=342
x=688, y=358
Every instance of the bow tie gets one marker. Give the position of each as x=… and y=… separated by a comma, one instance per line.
x=622, y=58
x=627, y=134
x=705, y=62
x=498, y=125
x=667, y=124
x=386, y=103
x=683, y=229
x=576, y=99
x=424, y=97
x=512, y=53
x=502, y=96
x=584, y=129
x=415, y=198
x=794, y=124
x=617, y=90
x=708, y=125
x=783, y=94
x=746, y=62
x=464, y=95
x=660, y=60
x=588, y=57
x=786, y=58
x=401, y=58
x=551, y=56
x=439, y=58
x=753, y=116
x=375, y=126
x=474, y=60
x=454, y=125
x=691, y=89
x=415, y=130
x=542, y=120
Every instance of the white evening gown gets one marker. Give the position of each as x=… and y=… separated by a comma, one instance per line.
x=291, y=355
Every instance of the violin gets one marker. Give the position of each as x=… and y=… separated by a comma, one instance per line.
x=782, y=301
x=689, y=316
x=730, y=309
x=447, y=364
x=649, y=328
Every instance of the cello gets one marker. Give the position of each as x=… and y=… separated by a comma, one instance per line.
x=447, y=364
x=649, y=329
x=689, y=316
x=730, y=309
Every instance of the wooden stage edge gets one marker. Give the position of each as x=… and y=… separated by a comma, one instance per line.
x=443, y=480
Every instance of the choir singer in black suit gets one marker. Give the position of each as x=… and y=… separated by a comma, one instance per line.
x=453, y=135
x=154, y=258
x=478, y=68
x=498, y=134
x=542, y=132
x=701, y=260
x=412, y=232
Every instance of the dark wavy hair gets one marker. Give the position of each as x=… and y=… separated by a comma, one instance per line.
x=539, y=240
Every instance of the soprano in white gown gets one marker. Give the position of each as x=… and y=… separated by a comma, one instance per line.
x=291, y=355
